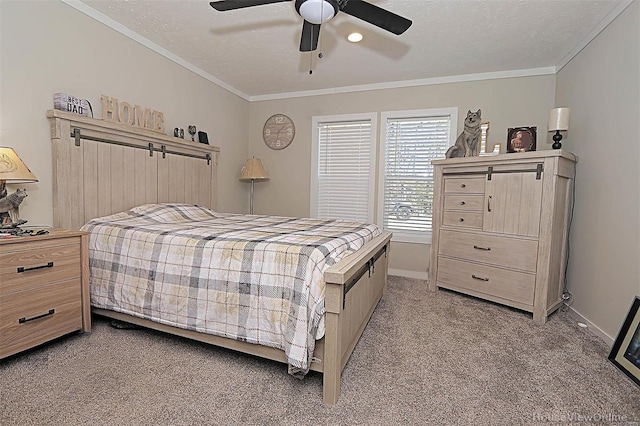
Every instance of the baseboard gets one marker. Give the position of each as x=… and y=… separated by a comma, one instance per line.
x=592, y=327
x=409, y=274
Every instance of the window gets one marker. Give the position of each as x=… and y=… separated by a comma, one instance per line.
x=412, y=139
x=343, y=167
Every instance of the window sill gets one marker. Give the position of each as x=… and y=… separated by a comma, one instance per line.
x=412, y=239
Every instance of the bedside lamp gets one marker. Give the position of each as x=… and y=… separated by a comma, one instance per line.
x=558, y=120
x=13, y=170
x=253, y=170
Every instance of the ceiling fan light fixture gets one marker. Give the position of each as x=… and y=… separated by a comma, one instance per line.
x=354, y=37
x=317, y=11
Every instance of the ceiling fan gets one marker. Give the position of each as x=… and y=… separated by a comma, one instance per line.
x=317, y=12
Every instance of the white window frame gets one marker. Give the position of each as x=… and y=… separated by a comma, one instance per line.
x=315, y=121
x=424, y=237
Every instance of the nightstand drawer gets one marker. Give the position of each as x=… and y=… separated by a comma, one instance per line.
x=516, y=286
x=499, y=251
x=38, y=262
x=464, y=185
x=462, y=219
x=31, y=317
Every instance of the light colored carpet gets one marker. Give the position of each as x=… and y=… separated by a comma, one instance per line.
x=425, y=358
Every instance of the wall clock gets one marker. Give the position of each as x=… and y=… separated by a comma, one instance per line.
x=278, y=131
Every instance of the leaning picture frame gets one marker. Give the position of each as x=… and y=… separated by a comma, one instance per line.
x=625, y=352
x=521, y=139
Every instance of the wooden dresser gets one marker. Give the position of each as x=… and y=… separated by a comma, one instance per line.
x=500, y=228
x=44, y=291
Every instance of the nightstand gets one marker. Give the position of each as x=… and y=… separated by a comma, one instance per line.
x=44, y=289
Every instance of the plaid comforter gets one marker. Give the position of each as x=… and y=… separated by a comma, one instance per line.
x=257, y=279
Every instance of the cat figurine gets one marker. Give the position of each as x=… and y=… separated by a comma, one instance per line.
x=468, y=141
x=10, y=203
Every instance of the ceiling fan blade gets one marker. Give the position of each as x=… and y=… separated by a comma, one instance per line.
x=309, y=38
x=225, y=5
x=377, y=16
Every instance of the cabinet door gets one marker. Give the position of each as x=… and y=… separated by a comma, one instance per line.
x=512, y=203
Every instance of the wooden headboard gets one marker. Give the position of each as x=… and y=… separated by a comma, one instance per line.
x=102, y=167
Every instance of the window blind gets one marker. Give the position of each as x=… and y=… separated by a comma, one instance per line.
x=345, y=170
x=411, y=143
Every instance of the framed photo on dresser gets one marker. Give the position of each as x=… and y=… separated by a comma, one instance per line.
x=625, y=353
x=521, y=139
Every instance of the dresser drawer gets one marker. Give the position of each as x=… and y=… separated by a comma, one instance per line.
x=464, y=202
x=510, y=285
x=507, y=252
x=464, y=185
x=462, y=219
x=38, y=262
x=36, y=315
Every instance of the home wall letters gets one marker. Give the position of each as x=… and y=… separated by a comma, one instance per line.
x=136, y=116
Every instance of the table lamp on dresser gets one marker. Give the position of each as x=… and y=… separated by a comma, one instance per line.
x=12, y=170
x=558, y=121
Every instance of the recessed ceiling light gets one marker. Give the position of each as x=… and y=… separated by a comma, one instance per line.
x=354, y=37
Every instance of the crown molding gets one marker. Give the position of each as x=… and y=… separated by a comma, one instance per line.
x=410, y=83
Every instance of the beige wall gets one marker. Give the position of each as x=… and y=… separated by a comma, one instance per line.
x=49, y=47
x=522, y=101
x=601, y=85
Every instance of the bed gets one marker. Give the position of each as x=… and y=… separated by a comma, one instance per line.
x=108, y=172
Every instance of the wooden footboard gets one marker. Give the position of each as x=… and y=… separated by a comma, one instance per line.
x=354, y=288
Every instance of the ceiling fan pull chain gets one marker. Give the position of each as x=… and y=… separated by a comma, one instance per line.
x=311, y=53
x=320, y=54
x=311, y=59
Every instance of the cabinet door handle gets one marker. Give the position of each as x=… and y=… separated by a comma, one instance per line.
x=475, y=277
x=489, y=203
x=23, y=269
x=25, y=319
x=482, y=248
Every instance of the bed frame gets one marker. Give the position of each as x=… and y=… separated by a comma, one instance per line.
x=101, y=168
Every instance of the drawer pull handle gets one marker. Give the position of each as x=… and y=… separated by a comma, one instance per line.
x=462, y=203
x=482, y=248
x=461, y=219
x=23, y=269
x=475, y=277
x=462, y=185
x=25, y=319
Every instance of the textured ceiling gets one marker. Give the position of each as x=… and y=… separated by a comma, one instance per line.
x=254, y=51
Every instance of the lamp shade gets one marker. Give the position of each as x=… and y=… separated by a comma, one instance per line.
x=12, y=168
x=559, y=119
x=253, y=169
